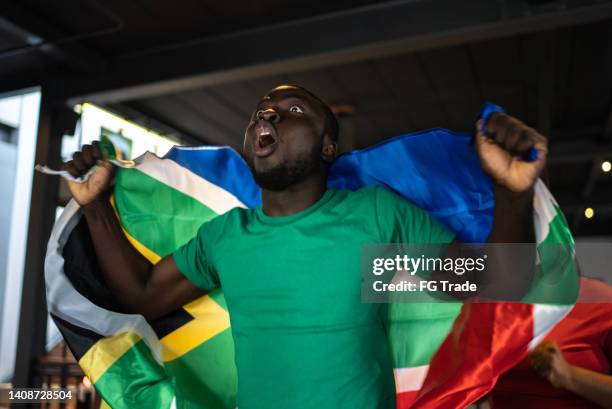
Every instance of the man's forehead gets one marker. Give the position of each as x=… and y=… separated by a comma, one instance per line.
x=287, y=91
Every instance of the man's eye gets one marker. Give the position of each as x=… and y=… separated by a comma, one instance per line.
x=296, y=108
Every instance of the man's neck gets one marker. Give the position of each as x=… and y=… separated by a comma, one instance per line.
x=295, y=198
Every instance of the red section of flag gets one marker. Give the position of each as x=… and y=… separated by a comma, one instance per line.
x=486, y=340
x=405, y=399
x=581, y=337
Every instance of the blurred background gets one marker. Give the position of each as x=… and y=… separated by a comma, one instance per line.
x=148, y=74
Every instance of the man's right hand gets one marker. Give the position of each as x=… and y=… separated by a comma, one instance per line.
x=98, y=183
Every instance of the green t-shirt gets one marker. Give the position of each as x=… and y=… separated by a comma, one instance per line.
x=293, y=285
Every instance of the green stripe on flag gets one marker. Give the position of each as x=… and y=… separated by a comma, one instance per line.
x=417, y=330
x=559, y=229
x=556, y=277
x=162, y=218
x=144, y=374
x=157, y=215
x=206, y=376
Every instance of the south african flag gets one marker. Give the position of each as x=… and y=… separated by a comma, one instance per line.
x=186, y=359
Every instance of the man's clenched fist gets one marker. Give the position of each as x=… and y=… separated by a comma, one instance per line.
x=507, y=139
x=99, y=182
x=548, y=361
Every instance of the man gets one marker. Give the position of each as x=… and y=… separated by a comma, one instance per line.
x=290, y=269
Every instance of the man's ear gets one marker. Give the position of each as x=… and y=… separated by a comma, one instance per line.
x=330, y=149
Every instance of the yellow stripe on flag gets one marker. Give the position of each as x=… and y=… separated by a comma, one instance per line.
x=209, y=320
x=104, y=353
x=142, y=249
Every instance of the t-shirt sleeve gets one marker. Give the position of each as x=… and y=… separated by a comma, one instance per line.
x=400, y=221
x=193, y=261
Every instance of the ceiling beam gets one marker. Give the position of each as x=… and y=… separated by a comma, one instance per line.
x=362, y=33
x=38, y=35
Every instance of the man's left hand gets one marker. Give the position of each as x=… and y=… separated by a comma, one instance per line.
x=501, y=150
x=548, y=361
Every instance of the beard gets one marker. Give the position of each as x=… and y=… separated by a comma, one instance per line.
x=285, y=174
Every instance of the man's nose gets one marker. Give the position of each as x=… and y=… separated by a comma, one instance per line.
x=269, y=115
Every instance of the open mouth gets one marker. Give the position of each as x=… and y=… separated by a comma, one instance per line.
x=265, y=140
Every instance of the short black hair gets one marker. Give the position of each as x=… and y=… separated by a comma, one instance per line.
x=331, y=122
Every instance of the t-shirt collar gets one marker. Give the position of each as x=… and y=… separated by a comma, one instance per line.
x=264, y=218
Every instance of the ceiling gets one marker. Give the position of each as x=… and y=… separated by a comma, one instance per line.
x=195, y=69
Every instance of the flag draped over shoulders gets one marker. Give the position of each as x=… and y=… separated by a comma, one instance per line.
x=186, y=359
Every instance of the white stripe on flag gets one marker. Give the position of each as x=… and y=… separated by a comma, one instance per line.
x=544, y=211
x=545, y=317
x=410, y=379
x=182, y=179
x=66, y=302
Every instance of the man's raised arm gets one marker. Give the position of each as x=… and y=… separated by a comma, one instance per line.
x=139, y=286
x=502, y=147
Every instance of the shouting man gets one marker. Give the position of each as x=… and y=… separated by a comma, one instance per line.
x=290, y=269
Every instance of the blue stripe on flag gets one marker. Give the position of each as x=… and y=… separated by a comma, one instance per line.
x=435, y=169
x=221, y=166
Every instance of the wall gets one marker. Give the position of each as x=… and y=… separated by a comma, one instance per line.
x=21, y=112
